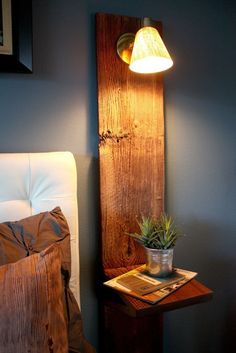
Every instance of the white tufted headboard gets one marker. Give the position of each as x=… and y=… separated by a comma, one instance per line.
x=35, y=182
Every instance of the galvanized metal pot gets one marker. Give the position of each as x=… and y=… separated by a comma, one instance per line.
x=159, y=262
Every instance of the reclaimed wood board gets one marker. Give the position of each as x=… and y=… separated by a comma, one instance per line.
x=131, y=144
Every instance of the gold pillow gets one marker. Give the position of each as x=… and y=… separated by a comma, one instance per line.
x=32, y=315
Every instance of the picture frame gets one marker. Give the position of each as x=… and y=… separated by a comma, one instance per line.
x=16, y=36
x=5, y=27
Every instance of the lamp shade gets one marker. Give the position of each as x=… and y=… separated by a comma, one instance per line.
x=149, y=53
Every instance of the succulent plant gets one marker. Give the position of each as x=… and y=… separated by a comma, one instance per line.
x=157, y=233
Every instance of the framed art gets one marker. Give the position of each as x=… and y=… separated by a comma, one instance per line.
x=16, y=36
x=5, y=27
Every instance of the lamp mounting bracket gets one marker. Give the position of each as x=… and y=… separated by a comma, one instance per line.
x=124, y=46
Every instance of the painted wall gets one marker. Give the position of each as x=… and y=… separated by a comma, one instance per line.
x=55, y=109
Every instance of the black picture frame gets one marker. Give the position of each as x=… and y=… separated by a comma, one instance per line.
x=20, y=60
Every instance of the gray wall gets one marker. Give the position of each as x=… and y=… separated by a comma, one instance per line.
x=55, y=109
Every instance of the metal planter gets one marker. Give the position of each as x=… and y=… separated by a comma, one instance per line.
x=159, y=262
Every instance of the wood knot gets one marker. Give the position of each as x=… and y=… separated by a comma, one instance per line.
x=108, y=135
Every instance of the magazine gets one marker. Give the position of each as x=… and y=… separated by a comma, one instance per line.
x=142, y=283
x=121, y=284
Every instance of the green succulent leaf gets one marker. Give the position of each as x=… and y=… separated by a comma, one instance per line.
x=159, y=233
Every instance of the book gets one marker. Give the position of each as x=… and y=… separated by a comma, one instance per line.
x=120, y=283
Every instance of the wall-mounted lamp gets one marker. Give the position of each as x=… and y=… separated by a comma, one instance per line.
x=145, y=52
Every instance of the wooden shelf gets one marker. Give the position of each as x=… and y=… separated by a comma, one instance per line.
x=191, y=293
x=133, y=326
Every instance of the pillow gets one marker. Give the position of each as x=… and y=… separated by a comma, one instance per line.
x=34, y=234
x=32, y=315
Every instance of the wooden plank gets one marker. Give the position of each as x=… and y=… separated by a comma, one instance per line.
x=126, y=334
x=191, y=293
x=131, y=162
x=131, y=149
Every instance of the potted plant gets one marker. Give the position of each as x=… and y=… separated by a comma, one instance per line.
x=158, y=236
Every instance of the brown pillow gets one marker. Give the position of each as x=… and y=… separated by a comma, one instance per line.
x=32, y=315
x=34, y=234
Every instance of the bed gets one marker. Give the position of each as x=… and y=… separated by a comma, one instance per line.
x=39, y=254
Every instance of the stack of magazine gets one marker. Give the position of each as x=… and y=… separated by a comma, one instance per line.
x=140, y=285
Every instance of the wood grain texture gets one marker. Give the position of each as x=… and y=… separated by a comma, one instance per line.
x=191, y=293
x=131, y=162
x=131, y=149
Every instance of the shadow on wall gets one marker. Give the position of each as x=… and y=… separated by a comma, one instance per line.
x=87, y=170
x=208, y=249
